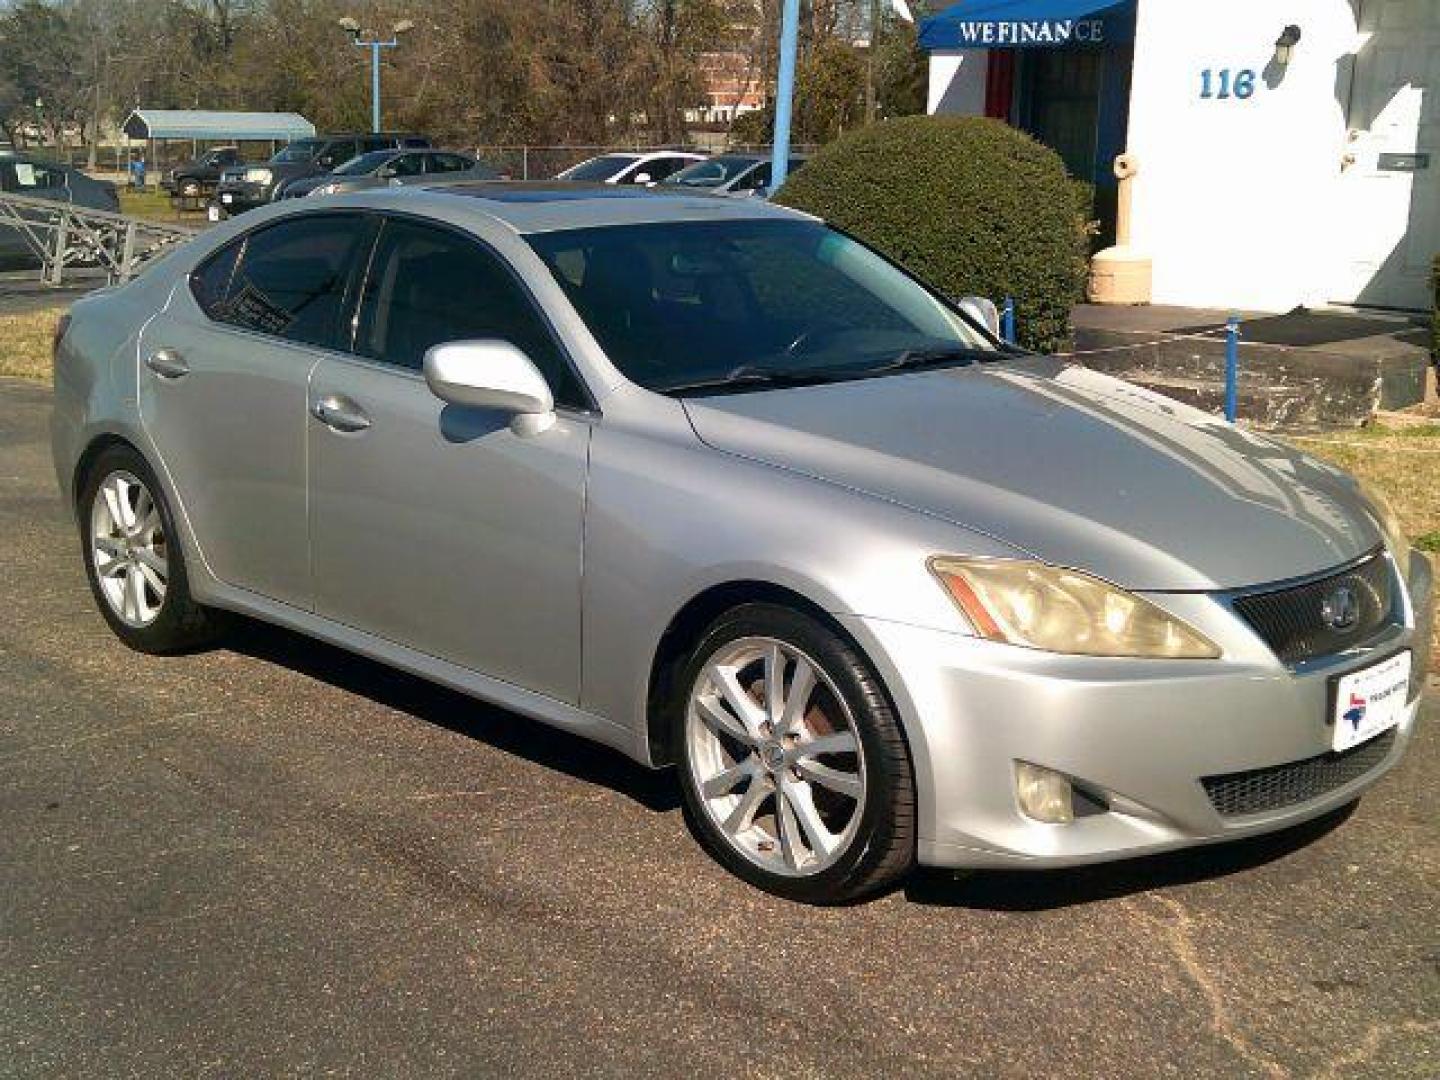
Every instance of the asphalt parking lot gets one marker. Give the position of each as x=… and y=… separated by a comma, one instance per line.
x=278, y=859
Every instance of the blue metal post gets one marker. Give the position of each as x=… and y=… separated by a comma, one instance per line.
x=785, y=92
x=375, y=48
x=1007, y=320
x=1232, y=367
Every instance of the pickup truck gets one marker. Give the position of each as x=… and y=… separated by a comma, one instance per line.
x=200, y=176
x=244, y=188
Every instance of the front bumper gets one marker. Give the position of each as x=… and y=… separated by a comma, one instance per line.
x=235, y=198
x=1139, y=734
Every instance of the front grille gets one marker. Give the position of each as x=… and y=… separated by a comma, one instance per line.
x=1292, y=621
x=1259, y=790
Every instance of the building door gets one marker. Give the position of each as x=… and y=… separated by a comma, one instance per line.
x=1390, y=183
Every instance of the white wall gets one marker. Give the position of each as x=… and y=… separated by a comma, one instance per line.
x=957, y=82
x=1236, y=199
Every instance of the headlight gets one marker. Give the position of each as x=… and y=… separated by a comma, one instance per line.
x=1390, y=527
x=1064, y=611
x=258, y=176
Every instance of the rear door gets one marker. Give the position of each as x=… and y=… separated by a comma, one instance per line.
x=437, y=526
x=222, y=384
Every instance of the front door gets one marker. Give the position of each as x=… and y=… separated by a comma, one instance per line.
x=1390, y=184
x=436, y=526
x=222, y=389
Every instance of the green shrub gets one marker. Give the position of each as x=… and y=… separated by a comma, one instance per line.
x=969, y=204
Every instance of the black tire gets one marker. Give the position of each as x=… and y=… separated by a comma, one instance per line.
x=883, y=846
x=182, y=625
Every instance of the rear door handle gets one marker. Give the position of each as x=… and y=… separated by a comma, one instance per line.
x=340, y=413
x=167, y=363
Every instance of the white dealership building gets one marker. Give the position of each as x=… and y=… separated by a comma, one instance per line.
x=1287, y=151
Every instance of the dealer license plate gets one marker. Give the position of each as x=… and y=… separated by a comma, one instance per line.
x=1370, y=700
x=227, y=198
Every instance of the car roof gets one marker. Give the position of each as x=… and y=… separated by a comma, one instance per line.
x=551, y=206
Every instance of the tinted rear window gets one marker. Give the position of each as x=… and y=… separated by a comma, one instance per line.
x=292, y=277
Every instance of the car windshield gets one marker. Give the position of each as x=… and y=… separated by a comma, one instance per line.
x=364, y=164
x=704, y=306
x=712, y=172
x=300, y=150
x=600, y=168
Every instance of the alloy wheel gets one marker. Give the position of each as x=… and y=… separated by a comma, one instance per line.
x=128, y=549
x=775, y=756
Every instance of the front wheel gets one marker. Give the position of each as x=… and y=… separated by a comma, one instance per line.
x=795, y=772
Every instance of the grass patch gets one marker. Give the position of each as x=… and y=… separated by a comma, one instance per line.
x=1391, y=431
x=1429, y=542
x=25, y=343
x=154, y=206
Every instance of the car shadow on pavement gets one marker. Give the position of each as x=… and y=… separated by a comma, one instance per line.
x=1043, y=890
x=457, y=712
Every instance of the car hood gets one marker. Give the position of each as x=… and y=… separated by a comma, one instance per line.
x=1071, y=466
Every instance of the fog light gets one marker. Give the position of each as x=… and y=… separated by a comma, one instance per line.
x=1044, y=794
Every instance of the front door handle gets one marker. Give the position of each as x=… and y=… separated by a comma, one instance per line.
x=339, y=412
x=167, y=363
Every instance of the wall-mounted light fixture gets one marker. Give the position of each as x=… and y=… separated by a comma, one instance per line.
x=1285, y=44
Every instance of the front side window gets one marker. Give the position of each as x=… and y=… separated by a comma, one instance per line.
x=678, y=305
x=427, y=286
x=298, y=151
x=291, y=279
x=408, y=165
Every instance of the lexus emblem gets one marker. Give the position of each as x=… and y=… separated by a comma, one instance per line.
x=1340, y=610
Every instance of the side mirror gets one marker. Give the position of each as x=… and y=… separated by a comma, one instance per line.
x=385, y=172
x=491, y=374
x=983, y=311
x=642, y=178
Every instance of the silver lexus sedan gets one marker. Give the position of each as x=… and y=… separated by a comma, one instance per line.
x=715, y=485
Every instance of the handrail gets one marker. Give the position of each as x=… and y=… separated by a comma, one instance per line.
x=62, y=234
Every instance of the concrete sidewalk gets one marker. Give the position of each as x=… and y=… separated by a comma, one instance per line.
x=1304, y=368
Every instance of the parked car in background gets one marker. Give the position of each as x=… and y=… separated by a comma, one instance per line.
x=730, y=174
x=637, y=168
x=24, y=174
x=200, y=175
x=392, y=168
x=244, y=188
x=714, y=484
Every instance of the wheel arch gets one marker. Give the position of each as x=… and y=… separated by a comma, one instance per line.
x=93, y=449
x=684, y=630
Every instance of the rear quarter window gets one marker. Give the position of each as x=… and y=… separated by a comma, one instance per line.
x=210, y=281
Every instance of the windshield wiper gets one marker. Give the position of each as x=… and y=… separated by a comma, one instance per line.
x=944, y=354
x=756, y=375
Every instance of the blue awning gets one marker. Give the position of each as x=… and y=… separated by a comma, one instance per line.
x=1030, y=24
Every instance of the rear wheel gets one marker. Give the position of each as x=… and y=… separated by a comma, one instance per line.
x=795, y=773
x=135, y=567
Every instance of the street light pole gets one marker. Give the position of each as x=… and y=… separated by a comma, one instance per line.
x=785, y=92
x=368, y=39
